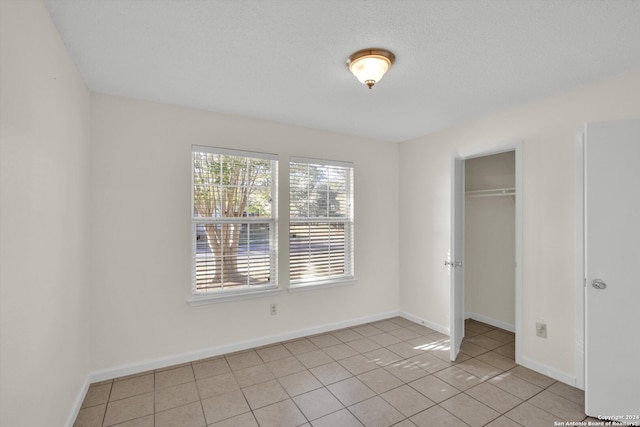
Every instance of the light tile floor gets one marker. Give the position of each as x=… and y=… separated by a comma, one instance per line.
x=392, y=372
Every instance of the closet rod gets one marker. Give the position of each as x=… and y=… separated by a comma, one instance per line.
x=492, y=192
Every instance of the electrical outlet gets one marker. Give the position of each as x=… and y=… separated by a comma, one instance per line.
x=541, y=329
x=273, y=309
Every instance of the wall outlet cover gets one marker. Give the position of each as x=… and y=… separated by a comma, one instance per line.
x=541, y=329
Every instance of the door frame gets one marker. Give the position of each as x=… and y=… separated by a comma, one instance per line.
x=464, y=154
x=580, y=273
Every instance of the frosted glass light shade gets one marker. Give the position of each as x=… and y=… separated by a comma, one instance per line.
x=369, y=65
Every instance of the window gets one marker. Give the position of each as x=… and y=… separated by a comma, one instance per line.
x=321, y=221
x=233, y=222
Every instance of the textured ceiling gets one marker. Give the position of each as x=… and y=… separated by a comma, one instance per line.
x=285, y=60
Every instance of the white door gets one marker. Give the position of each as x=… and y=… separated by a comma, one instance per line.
x=612, y=276
x=455, y=262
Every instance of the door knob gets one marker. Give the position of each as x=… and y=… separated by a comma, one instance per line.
x=598, y=284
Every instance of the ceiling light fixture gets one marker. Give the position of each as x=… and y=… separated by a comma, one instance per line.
x=369, y=65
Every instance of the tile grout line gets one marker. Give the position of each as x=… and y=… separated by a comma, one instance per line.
x=204, y=416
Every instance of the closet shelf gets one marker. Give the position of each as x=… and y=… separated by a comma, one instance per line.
x=492, y=192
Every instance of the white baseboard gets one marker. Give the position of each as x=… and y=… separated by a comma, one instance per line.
x=546, y=370
x=163, y=362
x=427, y=323
x=526, y=362
x=490, y=321
x=77, y=403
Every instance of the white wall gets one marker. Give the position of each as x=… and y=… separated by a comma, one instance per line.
x=489, y=274
x=140, y=271
x=44, y=349
x=547, y=129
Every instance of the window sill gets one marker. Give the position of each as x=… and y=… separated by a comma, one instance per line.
x=231, y=295
x=301, y=287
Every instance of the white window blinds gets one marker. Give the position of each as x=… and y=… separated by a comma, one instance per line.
x=233, y=220
x=321, y=221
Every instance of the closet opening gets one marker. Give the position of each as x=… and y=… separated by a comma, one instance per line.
x=490, y=254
